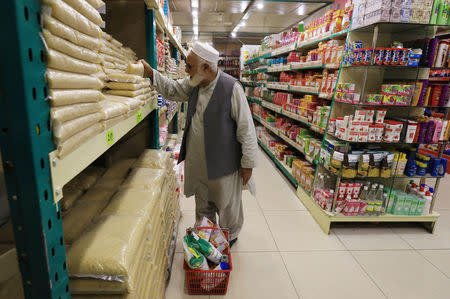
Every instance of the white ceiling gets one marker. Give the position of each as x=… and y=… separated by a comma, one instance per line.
x=217, y=18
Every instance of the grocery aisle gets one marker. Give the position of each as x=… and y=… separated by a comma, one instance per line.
x=282, y=252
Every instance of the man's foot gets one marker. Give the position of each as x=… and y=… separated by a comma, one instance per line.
x=232, y=242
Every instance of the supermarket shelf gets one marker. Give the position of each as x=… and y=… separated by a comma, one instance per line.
x=283, y=167
x=388, y=106
x=387, y=27
x=326, y=96
x=300, y=45
x=293, y=88
x=286, y=139
x=435, y=79
x=383, y=67
x=280, y=110
x=324, y=219
x=159, y=14
x=65, y=169
x=251, y=84
x=384, y=143
x=339, y=174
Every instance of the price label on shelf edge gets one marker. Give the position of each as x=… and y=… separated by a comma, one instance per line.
x=109, y=137
x=139, y=116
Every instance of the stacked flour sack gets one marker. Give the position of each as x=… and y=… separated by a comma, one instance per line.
x=72, y=36
x=124, y=252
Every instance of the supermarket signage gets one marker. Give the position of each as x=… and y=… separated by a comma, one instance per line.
x=139, y=116
x=109, y=137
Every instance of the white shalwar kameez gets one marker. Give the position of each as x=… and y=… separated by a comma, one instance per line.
x=224, y=195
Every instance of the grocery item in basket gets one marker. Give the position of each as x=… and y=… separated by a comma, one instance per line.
x=70, y=112
x=219, y=240
x=72, y=18
x=69, y=48
x=192, y=256
x=65, y=80
x=136, y=69
x=86, y=10
x=70, y=34
x=207, y=249
x=205, y=233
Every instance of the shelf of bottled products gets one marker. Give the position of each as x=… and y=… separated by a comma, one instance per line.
x=325, y=218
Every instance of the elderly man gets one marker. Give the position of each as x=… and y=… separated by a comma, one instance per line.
x=219, y=142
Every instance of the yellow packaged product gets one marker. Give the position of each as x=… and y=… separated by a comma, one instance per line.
x=63, y=97
x=65, y=80
x=119, y=169
x=63, y=62
x=72, y=18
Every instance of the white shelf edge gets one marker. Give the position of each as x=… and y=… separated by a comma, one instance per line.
x=65, y=169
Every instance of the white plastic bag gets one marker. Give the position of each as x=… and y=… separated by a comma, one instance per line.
x=123, y=86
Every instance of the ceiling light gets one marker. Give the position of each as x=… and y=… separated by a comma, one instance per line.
x=300, y=10
x=194, y=3
x=195, y=21
x=260, y=5
x=245, y=17
x=242, y=24
x=196, y=37
x=195, y=13
x=233, y=34
x=243, y=6
x=195, y=30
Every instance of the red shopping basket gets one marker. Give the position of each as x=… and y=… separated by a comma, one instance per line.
x=211, y=282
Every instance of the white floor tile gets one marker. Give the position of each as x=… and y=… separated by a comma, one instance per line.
x=250, y=203
x=255, y=235
x=443, y=200
x=259, y=276
x=297, y=231
x=361, y=236
x=404, y=274
x=439, y=258
x=331, y=274
x=177, y=284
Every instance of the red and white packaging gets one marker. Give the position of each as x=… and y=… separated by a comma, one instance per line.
x=363, y=136
x=354, y=126
x=381, y=113
x=342, y=189
x=352, y=136
x=411, y=131
x=370, y=113
x=372, y=133
x=350, y=187
x=360, y=115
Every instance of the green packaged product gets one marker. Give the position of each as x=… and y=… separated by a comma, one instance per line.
x=192, y=255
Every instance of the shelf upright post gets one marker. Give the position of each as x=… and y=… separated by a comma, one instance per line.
x=26, y=141
x=150, y=33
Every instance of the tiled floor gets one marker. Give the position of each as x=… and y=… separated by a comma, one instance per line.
x=282, y=252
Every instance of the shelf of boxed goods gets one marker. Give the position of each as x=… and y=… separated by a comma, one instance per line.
x=325, y=218
x=280, y=110
x=66, y=168
x=284, y=168
x=298, y=66
x=165, y=26
x=292, y=88
x=285, y=138
x=300, y=45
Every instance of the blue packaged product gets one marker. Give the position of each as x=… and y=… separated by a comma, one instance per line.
x=357, y=45
x=442, y=169
x=411, y=168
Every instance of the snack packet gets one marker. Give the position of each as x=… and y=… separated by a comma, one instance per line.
x=205, y=233
x=219, y=240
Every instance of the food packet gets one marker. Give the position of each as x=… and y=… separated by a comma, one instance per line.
x=192, y=256
x=349, y=166
x=363, y=164
x=207, y=249
x=386, y=166
x=219, y=240
x=205, y=233
x=336, y=161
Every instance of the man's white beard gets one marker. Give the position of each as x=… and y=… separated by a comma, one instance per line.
x=196, y=80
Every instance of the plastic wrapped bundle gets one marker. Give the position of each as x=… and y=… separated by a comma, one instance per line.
x=65, y=97
x=151, y=158
x=72, y=143
x=132, y=103
x=65, y=80
x=62, y=30
x=107, y=57
x=86, y=10
x=69, y=48
x=144, y=178
x=125, y=93
x=63, y=62
x=106, y=36
x=136, y=69
x=70, y=195
x=116, y=43
x=120, y=66
x=119, y=170
x=109, y=65
x=96, y=3
x=98, y=193
x=87, y=178
x=80, y=216
x=7, y=233
x=123, y=78
x=109, y=123
x=107, y=48
x=63, y=130
x=110, y=70
x=112, y=109
x=123, y=86
x=101, y=75
x=72, y=18
x=70, y=112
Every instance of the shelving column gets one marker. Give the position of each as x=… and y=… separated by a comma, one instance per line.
x=25, y=141
x=150, y=33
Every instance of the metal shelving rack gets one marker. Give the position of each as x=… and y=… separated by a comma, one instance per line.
x=34, y=176
x=369, y=34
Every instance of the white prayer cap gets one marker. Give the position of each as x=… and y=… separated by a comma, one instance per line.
x=205, y=51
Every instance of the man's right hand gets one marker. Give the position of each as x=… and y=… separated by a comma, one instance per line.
x=148, y=70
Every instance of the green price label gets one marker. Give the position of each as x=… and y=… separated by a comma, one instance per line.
x=109, y=137
x=139, y=116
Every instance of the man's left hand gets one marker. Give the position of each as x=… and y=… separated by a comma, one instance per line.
x=246, y=175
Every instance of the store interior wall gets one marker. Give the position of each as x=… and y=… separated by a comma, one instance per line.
x=229, y=49
x=4, y=206
x=125, y=20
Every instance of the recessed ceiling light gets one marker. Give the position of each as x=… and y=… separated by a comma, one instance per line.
x=260, y=5
x=233, y=34
x=242, y=24
x=245, y=17
x=195, y=13
x=194, y=3
x=195, y=21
